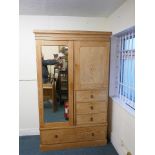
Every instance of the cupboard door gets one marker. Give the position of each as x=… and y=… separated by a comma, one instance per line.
x=91, y=64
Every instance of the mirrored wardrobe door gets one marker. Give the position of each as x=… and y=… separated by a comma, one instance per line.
x=56, y=66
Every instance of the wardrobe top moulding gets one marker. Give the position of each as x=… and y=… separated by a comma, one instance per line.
x=71, y=35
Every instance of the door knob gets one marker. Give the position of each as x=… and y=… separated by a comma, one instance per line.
x=91, y=107
x=56, y=136
x=91, y=96
x=91, y=119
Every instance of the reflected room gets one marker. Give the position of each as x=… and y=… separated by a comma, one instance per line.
x=55, y=83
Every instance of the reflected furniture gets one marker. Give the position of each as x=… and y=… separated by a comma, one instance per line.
x=49, y=91
x=88, y=70
x=63, y=86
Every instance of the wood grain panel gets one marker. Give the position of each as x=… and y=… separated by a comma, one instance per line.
x=73, y=135
x=51, y=32
x=91, y=95
x=39, y=80
x=73, y=145
x=91, y=118
x=91, y=107
x=91, y=64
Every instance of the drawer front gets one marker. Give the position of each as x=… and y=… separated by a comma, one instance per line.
x=91, y=133
x=94, y=95
x=57, y=136
x=77, y=134
x=91, y=118
x=91, y=107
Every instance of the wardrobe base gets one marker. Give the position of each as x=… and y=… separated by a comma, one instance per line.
x=73, y=145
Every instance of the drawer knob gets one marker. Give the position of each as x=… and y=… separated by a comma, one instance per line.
x=56, y=136
x=91, y=119
x=91, y=107
x=92, y=134
x=91, y=96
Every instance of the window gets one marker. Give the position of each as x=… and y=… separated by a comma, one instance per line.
x=126, y=76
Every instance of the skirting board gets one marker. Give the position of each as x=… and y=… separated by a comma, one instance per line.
x=28, y=132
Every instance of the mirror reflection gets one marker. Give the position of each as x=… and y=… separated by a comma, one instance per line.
x=55, y=83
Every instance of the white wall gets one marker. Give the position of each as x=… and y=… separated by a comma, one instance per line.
x=122, y=18
x=29, y=117
x=122, y=121
x=28, y=108
x=122, y=129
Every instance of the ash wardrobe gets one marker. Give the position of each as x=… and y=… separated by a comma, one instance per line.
x=73, y=98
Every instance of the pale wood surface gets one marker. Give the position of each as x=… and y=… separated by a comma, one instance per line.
x=70, y=82
x=73, y=145
x=54, y=43
x=69, y=38
x=91, y=118
x=71, y=32
x=49, y=93
x=71, y=35
x=91, y=95
x=91, y=65
x=88, y=67
x=40, y=86
x=91, y=107
x=73, y=135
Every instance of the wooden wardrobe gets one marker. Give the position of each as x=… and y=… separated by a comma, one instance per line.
x=88, y=74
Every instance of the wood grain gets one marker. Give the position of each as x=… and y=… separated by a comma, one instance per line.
x=73, y=135
x=39, y=79
x=91, y=65
x=91, y=95
x=91, y=118
x=88, y=71
x=91, y=107
x=73, y=145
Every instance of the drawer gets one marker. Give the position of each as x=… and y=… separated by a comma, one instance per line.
x=91, y=118
x=92, y=95
x=57, y=136
x=91, y=133
x=91, y=107
x=76, y=134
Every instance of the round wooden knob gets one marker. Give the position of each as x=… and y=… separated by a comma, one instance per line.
x=91, y=119
x=91, y=96
x=56, y=136
x=93, y=134
x=91, y=107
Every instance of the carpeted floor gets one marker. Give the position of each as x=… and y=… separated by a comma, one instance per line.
x=50, y=116
x=29, y=145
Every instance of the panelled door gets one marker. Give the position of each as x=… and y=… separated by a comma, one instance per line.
x=91, y=60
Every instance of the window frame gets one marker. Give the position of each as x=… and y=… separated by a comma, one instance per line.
x=115, y=68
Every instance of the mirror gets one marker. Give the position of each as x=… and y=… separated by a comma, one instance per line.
x=55, y=83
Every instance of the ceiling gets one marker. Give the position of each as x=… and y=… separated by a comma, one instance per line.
x=81, y=8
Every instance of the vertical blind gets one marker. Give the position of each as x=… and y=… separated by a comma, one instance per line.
x=127, y=68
